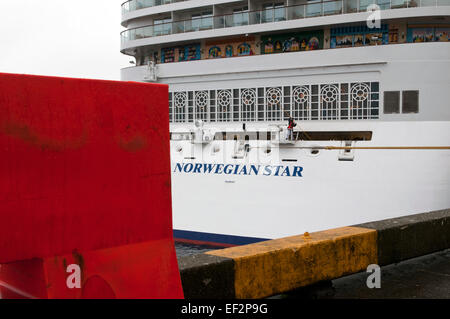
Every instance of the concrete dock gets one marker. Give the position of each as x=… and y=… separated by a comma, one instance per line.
x=279, y=266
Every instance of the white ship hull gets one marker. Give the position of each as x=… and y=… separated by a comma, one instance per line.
x=243, y=67
x=378, y=183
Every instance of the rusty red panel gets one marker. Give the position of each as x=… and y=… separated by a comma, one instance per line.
x=131, y=276
x=23, y=280
x=84, y=166
x=125, y=272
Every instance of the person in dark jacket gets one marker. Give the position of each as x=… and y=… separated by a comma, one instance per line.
x=290, y=129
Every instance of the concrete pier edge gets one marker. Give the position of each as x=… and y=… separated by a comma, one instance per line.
x=277, y=266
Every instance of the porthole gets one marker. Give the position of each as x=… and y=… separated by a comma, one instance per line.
x=313, y=152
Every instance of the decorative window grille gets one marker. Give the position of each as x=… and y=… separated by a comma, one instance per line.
x=360, y=101
x=274, y=107
x=329, y=102
x=201, y=105
x=180, y=106
x=171, y=119
x=248, y=105
x=336, y=101
x=301, y=102
x=224, y=103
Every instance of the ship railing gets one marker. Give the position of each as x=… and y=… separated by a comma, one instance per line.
x=133, y=5
x=316, y=9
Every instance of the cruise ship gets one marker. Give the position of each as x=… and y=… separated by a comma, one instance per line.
x=366, y=82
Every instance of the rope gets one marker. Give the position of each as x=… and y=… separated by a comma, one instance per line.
x=374, y=147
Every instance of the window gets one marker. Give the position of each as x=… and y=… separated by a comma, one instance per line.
x=410, y=102
x=360, y=36
x=240, y=16
x=391, y=102
x=240, y=10
x=202, y=21
x=164, y=20
x=163, y=26
x=273, y=12
x=429, y=34
x=393, y=36
x=336, y=101
x=161, y=2
x=314, y=8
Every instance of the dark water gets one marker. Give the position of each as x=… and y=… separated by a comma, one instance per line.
x=189, y=249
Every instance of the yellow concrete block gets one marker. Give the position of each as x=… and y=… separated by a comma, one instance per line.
x=276, y=266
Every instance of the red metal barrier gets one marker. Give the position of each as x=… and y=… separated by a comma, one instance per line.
x=85, y=179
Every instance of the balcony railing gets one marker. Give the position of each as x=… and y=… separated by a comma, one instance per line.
x=303, y=11
x=133, y=5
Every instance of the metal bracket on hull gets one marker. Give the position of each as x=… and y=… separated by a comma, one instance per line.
x=201, y=136
x=241, y=149
x=151, y=73
x=347, y=154
x=279, y=137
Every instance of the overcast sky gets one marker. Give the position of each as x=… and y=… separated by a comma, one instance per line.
x=62, y=38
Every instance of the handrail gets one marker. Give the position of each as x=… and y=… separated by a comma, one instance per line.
x=246, y=12
x=342, y=6
x=146, y=6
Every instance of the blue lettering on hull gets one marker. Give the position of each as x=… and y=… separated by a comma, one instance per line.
x=237, y=169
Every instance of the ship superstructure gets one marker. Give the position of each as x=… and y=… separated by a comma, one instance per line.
x=367, y=88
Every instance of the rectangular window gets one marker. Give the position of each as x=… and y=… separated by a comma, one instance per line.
x=393, y=36
x=240, y=10
x=391, y=102
x=163, y=26
x=240, y=16
x=410, y=102
x=280, y=12
x=273, y=12
x=202, y=21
